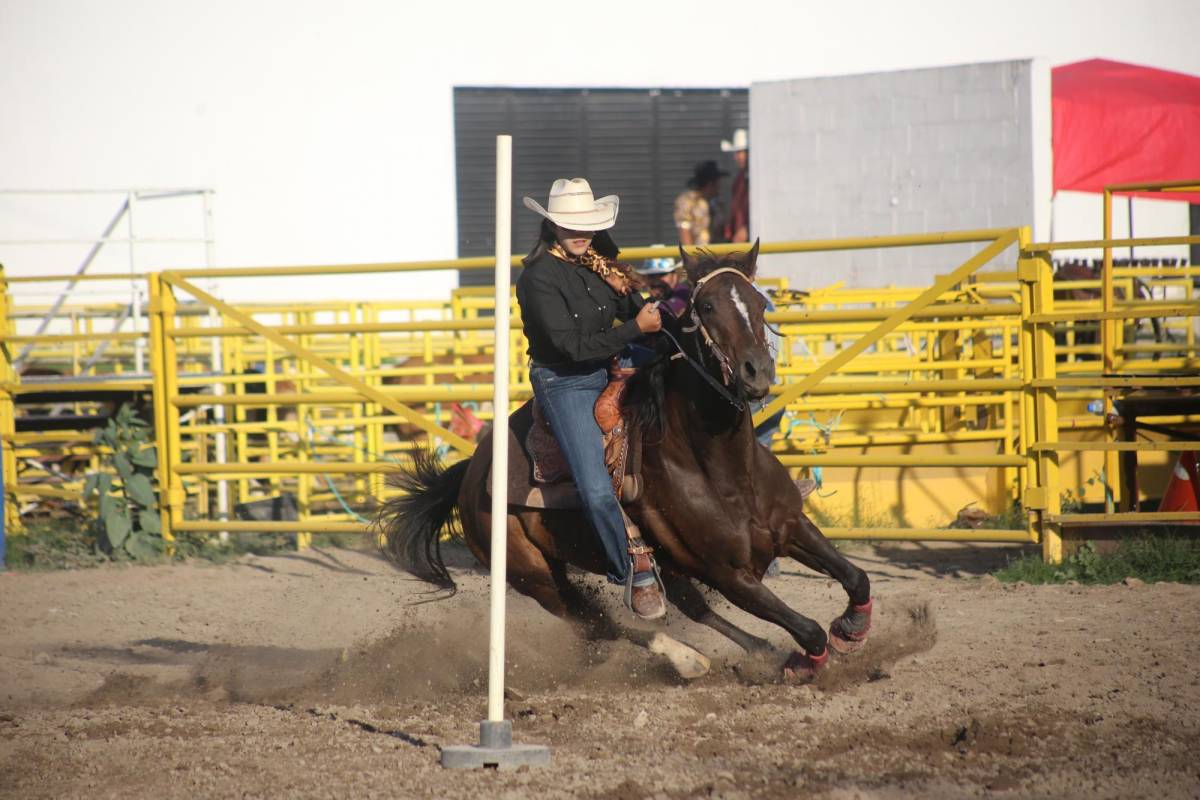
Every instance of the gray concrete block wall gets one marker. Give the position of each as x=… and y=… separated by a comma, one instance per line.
x=917, y=151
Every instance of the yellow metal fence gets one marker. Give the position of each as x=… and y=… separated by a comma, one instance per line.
x=318, y=401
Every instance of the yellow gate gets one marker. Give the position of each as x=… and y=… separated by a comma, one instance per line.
x=932, y=398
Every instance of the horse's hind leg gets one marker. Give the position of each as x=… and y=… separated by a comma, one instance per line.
x=589, y=618
x=595, y=623
x=806, y=544
x=688, y=599
x=546, y=581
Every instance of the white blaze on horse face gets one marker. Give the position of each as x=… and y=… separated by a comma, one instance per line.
x=740, y=305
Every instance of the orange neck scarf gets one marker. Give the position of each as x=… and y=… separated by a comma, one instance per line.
x=619, y=276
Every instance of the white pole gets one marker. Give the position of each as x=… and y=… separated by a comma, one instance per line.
x=139, y=365
x=218, y=365
x=135, y=306
x=496, y=747
x=500, y=428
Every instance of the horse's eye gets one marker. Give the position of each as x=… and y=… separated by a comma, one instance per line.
x=706, y=308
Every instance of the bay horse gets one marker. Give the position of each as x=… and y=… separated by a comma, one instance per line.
x=718, y=507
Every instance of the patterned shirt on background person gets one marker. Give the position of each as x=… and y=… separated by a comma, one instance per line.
x=692, y=214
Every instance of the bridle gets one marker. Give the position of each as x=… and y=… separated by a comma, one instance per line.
x=698, y=324
x=721, y=388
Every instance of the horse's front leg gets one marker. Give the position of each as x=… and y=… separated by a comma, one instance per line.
x=744, y=589
x=804, y=542
x=688, y=599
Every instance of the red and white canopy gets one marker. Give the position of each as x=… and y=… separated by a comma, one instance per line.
x=1122, y=123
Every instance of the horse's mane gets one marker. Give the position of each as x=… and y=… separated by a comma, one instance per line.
x=707, y=261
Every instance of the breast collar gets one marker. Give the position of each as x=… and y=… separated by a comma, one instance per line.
x=698, y=324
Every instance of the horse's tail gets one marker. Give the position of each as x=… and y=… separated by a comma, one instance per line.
x=412, y=523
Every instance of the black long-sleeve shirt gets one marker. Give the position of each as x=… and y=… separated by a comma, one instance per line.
x=568, y=313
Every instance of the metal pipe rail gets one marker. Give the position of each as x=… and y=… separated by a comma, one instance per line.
x=831, y=459
x=1041, y=396
x=1126, y=518
x=631, y=253
x=930, y=534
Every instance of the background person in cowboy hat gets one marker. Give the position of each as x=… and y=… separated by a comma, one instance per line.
x=737, y=226
x=667, y=283
x=693, y=206
x=571, y=293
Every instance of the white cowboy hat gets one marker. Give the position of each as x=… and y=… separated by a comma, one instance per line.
x=657, y=266
x=572, y=206
x=741, y=141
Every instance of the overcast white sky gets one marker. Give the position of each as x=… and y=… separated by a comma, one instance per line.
x=327, y=129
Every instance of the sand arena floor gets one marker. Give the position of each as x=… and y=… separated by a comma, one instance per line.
x=313, y=675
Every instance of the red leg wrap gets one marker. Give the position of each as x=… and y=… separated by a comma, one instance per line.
x=845, y=640
x=805, y=667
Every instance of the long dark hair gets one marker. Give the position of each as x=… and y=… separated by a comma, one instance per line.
x=547, y=236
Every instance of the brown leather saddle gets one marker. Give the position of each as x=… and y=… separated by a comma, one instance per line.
x=538, y=476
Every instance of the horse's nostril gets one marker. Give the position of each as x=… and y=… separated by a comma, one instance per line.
x=749, y=370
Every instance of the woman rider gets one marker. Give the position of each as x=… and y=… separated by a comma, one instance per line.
x=571, y=292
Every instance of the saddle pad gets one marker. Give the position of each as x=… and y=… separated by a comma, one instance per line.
x=525, y=491
x=546, y=457
x=549, y=464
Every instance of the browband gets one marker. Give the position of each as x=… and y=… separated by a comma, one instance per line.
x=700, y=283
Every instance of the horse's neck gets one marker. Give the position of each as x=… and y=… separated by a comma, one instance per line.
x=721, y=436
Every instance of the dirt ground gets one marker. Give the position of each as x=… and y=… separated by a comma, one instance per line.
x=314, y=675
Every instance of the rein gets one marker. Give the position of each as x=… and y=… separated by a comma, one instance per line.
x=722, y=359
x=740, y=405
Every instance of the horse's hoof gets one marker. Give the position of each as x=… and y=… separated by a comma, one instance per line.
x=803, y=667
x=689, y=663
x=844, y=647
x=848, y=633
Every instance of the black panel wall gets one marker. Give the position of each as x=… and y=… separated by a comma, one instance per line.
x=640, y=144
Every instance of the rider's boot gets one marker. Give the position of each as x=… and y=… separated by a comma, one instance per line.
x=644, y=590
x=608, y=404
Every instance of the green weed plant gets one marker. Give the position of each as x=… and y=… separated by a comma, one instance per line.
x=1171, y=557
x=127, y=525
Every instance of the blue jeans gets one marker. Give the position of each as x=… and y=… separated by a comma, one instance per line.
x=567, y=397
x=635, y=356
x=765, y=432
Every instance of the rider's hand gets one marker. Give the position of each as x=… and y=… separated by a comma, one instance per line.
x=649, y=319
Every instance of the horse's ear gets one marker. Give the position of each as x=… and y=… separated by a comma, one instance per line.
x=751, y=262
x=691, y=265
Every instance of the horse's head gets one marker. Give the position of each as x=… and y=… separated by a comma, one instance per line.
x=727, y=311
